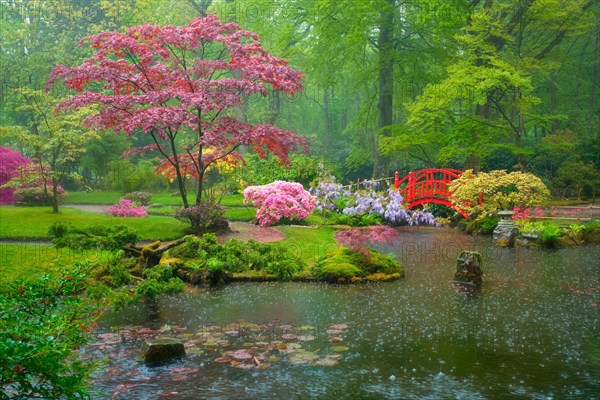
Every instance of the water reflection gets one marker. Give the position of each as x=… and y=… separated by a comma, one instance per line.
x=532, y=331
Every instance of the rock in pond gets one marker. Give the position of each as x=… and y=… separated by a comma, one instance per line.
x=161, y=351
x=468, y=269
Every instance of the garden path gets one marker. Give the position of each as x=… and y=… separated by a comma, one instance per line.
x=239, y=230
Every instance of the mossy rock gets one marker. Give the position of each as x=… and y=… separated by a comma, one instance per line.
x=345, y=265
x=187, y=250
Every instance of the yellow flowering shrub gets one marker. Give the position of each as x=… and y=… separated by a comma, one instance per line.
x=500, y=191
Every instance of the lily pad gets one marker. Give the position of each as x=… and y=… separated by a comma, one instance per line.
x=336, y=339
x=306, y=338
x=339, y=326
x=306, y=328
x=334, y=331
x=327, y=362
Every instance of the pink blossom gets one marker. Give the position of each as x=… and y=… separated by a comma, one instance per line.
x=127, y=208
x=279, y=200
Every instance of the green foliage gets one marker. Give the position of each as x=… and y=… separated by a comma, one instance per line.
x=236, y=256
x=582, y=177
x=139, y=198
x=303, y=169
x=356, y=220
x=93, y=237
x=152, y=288
x=549, y=234
x=345, y=265
x=43, y=323
x=35, y=196
x=126, y=176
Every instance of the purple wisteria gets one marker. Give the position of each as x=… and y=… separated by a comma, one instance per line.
x=386, y=204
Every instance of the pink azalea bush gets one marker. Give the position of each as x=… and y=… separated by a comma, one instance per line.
x=10, y=161
x=127, y=208
x=524, y=213
x=279, y=200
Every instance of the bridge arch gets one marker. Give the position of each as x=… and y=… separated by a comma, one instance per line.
x=429, y=185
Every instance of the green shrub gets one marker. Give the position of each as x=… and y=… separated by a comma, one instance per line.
x=344, y=265
x=482, y=225
x=93, y=237
x=236, y=256
x=549, y=234
x=207, y=216
x=35, y=196
x=356, y=220
x=43, y=323
x=140, y=198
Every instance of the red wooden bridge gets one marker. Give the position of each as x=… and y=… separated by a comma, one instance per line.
x=428, y=186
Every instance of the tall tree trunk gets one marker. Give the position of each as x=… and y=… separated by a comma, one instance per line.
x=54, y=198
x=594, y=75
x=274, y=107
x=554, y=99
x=326, y=122
x=385, y=44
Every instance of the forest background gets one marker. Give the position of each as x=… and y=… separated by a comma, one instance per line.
x=389, y=85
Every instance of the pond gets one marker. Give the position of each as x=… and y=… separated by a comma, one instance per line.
x=532, y=332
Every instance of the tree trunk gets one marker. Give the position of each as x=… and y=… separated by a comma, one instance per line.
x=54, y=198
x=150, y=255
x=554, y=99
x=594, y=75
x=326, y=122
x=385, y=44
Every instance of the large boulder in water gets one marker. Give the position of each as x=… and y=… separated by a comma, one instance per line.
x=161, y=351
x=468, y=269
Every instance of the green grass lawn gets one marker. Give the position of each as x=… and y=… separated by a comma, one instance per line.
x=165, y=198
x=30, y=223
x=240, y=213
x=31, y=260
x=309, y=242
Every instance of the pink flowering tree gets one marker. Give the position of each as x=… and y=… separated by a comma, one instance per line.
x=181, y=87
x=10, y=161
x=127, y=208
x=358, y=239
x=279, y=200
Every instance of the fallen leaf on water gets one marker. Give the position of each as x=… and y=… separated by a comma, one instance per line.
x=340, y=327
x=184, y=370
x=289, y=336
